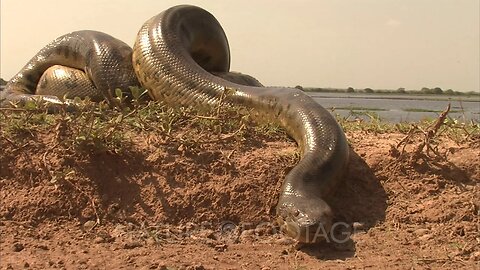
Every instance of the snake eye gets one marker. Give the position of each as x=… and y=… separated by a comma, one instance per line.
x=296, y=213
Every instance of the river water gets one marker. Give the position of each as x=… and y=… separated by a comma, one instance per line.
x=400, y=108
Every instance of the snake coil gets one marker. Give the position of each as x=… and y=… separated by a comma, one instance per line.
x=182, y=57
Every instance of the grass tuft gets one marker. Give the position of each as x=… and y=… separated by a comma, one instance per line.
x=96, y=127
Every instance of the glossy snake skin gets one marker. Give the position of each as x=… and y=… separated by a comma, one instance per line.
x=182, y=57
x=101, y=58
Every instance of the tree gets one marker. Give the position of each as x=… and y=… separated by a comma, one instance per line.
x=368, y=90
x=401, y=90
x=426, y=90
x=2, y=81
x=449, y=92
x=299, y=87
x=437, y=91
x=350, y=90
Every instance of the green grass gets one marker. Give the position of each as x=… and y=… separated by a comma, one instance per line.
x=96, y=127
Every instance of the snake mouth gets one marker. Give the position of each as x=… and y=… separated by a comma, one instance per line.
x=305, y=222
x=305, y=233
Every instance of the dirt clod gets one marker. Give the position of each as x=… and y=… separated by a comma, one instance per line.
x=132, y=245
x=17, y=247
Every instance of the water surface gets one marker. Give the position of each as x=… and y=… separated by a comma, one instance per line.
x=400, y=108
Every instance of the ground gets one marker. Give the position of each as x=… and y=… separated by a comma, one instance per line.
x=206, y=200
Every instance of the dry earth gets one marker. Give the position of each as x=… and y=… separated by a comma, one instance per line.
x=158, y=204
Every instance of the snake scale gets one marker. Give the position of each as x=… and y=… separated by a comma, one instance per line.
x=182, y=57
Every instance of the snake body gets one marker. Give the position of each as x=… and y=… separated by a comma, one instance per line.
x=182, y=57
x=102, y=58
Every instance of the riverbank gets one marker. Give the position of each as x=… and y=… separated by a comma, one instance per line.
x=158, y=188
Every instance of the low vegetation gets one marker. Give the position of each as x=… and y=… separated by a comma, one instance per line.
x=402, y=91
x=97, y=127
x=452, y=128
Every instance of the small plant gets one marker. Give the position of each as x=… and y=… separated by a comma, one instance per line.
x=429, y=133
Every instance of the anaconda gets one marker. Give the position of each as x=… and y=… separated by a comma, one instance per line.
x=181, y=56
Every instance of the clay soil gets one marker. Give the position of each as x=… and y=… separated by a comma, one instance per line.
x=160, y=204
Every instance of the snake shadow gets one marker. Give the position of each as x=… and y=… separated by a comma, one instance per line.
x=359, y=198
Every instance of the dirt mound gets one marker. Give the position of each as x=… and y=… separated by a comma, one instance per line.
x=192, y=196
x=150, y=178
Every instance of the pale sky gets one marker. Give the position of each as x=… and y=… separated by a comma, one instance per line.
x=381, y=44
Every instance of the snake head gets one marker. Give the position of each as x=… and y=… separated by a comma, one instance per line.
x=307, y=221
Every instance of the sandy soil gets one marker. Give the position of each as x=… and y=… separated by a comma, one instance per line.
x=158, y=205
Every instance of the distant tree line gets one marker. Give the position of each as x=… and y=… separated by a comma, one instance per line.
x=2, y=81
x=435, y=91
x=401, y=90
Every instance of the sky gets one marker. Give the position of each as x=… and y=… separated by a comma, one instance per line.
x=380, y=44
